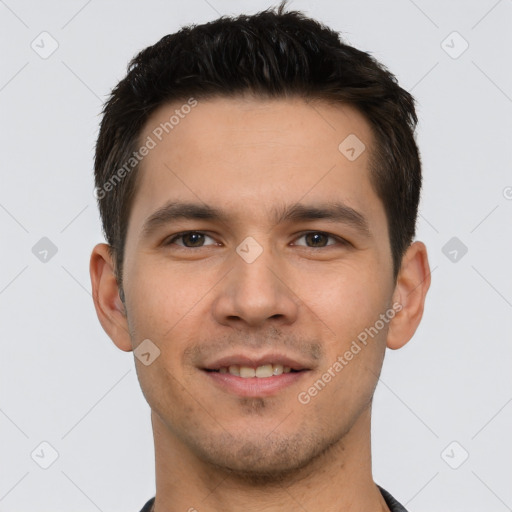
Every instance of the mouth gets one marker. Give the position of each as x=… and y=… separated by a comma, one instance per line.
x=260, y=372
x=256, y=377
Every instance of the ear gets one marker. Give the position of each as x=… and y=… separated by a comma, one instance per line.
x=413, y=282
x=105, y=293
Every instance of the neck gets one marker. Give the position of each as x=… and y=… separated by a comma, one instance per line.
x=338, y=479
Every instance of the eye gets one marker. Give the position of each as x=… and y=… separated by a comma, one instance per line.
x=319, y=239
x=190, y=239
x=196, y=240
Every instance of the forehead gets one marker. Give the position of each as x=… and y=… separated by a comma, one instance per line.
x=246, y=154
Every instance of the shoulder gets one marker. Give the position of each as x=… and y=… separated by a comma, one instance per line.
x=148, y=506
x=393, y=504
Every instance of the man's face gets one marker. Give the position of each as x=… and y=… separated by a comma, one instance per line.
x=296, y=294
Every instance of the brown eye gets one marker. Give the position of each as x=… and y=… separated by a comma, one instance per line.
x=319, y=239
x=189, y=239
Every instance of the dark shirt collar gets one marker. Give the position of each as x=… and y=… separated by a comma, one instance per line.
x=393, y=505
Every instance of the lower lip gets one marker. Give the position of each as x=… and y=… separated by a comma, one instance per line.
x=254, y=386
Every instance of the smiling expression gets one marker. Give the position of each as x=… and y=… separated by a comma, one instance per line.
x=255, y=245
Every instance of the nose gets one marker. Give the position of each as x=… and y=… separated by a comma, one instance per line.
x=256, y=292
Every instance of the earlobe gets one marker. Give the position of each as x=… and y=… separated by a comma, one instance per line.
x=411, y=288
x=107, y=302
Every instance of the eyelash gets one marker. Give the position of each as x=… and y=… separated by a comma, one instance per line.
x=177, y=236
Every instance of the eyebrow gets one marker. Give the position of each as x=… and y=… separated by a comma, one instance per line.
x=331, y=211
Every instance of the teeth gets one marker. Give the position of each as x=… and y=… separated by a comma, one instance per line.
x=264, y=371
x=277, y=369
x=234, y=370
x=246, y=372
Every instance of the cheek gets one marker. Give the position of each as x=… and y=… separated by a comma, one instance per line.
x=351, y=307
x=161, y=303
x=349, y=303
x=162, y=389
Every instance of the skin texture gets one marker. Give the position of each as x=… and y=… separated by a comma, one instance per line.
x=302, y=296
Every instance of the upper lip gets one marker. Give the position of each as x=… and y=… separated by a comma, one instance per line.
x=255, y=361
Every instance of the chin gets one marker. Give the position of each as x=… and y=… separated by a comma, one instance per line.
x=264, y=460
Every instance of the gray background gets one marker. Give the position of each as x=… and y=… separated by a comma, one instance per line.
x=62, y=381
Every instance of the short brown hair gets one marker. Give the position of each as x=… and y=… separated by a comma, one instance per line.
x=275, y=54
